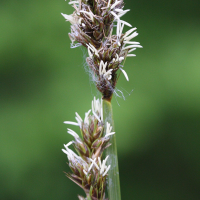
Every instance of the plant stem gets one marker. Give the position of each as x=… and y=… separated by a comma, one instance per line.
x=113, y=185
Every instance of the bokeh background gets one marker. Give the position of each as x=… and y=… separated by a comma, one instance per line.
x=43, y=82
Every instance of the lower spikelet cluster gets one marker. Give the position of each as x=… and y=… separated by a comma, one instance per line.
x=93, y=22
x=89, y=170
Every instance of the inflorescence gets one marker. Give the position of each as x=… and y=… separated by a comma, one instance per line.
x=89, y=171
x=92, y=25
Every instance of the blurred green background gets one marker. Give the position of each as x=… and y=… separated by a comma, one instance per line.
x=43, y=82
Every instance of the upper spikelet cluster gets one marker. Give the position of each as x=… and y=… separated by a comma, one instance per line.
x=92, y=26
x=89, y=171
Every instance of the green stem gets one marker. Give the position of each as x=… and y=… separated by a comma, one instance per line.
x=113, y=173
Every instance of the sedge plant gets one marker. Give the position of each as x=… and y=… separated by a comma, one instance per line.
x=97, y=25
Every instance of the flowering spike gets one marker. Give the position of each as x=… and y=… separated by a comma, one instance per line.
x=87, y=165
x=92, y=26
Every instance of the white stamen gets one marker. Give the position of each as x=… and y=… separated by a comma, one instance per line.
x=103, y=165
x=106, y=170
x=102, y=71
x=125, y=74
x=73, y=133
x=94, y=108
x=96, y=116
x=108, y=3
x=68, y=144
x=108, y=134
x=123, y=12
x=86, y=121
x=132, y=46
x=69, y=18
x=117, y=58
x=100, y=67
x=78, y=116
x=126, y=23
x=133, y=49
x=121, y=29
x=79, y=122
x=115, y=15
x=85, y=172
x=72, y=123
x=121, y=58
x=129, y=32
x=130, y=55
x=108, y=128
x=118, y=10
x=108, y=72
x=91, y=166
x=131, y=36
x=71, y=154
x=130, y=42
x=94, y=50
x=103, y=8
x=90, y=14
x=108, y=75
x=93, y=161
x=66, y=152
x=73, y=2
x=116, y=2
x=120, y=26
x=73, y=157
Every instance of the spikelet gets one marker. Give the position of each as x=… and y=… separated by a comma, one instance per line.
x=92, y=25
x=89, y=171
